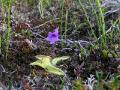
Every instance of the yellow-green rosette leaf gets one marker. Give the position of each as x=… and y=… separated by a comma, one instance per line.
x=54, y=70
x=38, y=63
x=43, y=61
x=58, y=59
x=40, y=57
x=49, y=64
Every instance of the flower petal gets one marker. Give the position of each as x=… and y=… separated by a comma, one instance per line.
x=50, y=34
x=53, y=37
x=53, y=40
x=56, y=31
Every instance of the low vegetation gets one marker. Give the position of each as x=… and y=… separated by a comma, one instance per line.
x=60, y=44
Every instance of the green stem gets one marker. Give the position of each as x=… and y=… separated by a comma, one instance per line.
x=87, y=18
x=102, y=23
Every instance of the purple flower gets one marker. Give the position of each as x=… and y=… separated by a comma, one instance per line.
x=53, y=36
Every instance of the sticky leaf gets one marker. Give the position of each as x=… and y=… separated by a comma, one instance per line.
x=54, y=70
x=49, y=64
x=58, y=59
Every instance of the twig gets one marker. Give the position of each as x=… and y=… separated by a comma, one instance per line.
x=44, y=23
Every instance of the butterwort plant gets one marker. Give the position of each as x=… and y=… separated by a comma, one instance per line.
x=47, y=62
x=53, y=36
